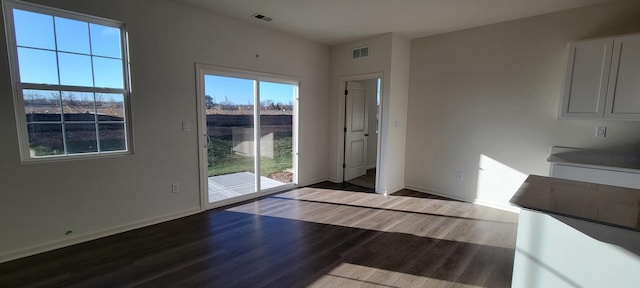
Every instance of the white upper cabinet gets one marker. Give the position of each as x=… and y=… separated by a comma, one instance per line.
x=603, y=79
x=585, y=88
x=623, y=97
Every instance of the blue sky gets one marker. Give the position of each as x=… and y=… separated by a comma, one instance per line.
x=87, y=54
x=240, y=91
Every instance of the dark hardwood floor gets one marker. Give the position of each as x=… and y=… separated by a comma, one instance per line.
x=308, y=237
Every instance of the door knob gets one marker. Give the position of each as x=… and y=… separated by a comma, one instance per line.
x=367, y=135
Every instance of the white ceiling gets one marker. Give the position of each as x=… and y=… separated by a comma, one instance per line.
x=338, y=21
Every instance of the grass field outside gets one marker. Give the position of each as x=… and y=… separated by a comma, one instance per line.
x=222, y=160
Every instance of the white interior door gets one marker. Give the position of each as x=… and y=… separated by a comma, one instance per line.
x=356, y=128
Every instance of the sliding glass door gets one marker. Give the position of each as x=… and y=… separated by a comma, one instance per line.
x=249, y=139
x=277, y=103
x=230, y=127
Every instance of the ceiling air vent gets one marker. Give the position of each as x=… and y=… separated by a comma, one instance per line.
x=360, y=52
x=261, y=17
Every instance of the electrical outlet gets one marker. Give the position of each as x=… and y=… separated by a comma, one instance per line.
x=601, y=131
x=459, y=175
x=175, y=188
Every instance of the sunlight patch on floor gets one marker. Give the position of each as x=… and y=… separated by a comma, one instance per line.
x=420, y=217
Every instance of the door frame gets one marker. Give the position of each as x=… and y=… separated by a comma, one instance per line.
x=341, y=120
x=202, y=69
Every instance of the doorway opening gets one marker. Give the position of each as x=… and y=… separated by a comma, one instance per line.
x=361, y=132
x=248, y=124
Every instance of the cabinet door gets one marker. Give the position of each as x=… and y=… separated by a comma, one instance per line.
x=623, y=97
x=585, y=85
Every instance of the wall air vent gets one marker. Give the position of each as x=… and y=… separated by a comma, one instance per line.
x=261, y=17
x=360, y=52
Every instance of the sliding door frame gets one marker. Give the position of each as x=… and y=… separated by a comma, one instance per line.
x=207, y=69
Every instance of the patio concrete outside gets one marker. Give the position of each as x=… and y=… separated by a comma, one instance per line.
x=227, y=186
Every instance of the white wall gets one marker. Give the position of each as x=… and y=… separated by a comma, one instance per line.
x=388, y=55
x=484, y=101
x=396, y=109
x=40, y=202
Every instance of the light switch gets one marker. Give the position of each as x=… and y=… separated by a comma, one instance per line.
x=601, y=131
x=186, y=126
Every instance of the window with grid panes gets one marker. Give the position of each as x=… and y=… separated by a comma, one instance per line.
x=70, y=80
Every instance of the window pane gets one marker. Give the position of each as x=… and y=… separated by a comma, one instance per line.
x=45, y=139
x=108, y=73
x=33, y=29
x=42, y=105
x=72, y=35
x=81, y=138
x=231, y=150
x=110, y=107
x=75, y=70
x=112, y=137
x=105, y=41
x=37, y=66
x=276, y=127
x=78, y=106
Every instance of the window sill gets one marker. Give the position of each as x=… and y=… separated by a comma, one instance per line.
x=76, y=157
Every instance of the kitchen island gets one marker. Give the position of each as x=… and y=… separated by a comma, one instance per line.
x=576, y=234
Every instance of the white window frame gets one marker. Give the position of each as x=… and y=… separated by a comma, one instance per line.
x=18, y=86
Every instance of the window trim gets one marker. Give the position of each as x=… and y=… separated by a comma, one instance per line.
x=17, y=86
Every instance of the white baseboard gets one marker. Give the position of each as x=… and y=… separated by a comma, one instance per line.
x=501, y=206
x=56, y=244
x=372, y=166
x=435, y=192
x=394, y=189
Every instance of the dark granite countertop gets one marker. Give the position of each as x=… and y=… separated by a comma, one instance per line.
x=608, y=205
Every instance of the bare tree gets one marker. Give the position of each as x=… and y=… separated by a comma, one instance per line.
x=228, y=105
x=266, y=104
x=69, y=98
x=99, y=99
